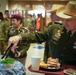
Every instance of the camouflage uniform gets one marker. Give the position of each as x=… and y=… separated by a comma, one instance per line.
x=3, y=25
x=29, y=24
x=22, y=47
x=8, y=23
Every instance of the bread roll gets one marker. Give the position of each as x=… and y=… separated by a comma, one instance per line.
x=43, y=65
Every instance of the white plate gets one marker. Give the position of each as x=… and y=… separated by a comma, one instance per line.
x=65, y=71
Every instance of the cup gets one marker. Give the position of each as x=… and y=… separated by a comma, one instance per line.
x=35, y=62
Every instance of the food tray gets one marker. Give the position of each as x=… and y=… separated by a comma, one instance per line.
x=59, y=72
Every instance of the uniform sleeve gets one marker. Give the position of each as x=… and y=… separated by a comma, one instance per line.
x=41, y=36
x=37, y=37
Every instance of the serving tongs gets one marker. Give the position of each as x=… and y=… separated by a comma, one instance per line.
x=6, y=54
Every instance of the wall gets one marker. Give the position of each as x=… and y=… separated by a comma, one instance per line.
x=3, y=5
x=20, y=5
x=31, y=6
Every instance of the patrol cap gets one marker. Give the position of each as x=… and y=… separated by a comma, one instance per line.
x=16, y=16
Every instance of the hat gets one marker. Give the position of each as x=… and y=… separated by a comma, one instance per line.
x=67, y=12
x=16, y=16
x=55, y=7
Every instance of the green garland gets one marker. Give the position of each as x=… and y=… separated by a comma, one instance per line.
x=8, y=61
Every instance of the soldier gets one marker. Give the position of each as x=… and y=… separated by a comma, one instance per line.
x=16, y=29
x=3, y=25
x=66, y=47
x=28, y=22
x=7, y=18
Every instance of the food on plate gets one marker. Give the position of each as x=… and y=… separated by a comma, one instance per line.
x=43, y=65
x=52, y=63
x=70, y=71
x=49, y=59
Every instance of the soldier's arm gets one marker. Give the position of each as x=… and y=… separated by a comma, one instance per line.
x=37, y=37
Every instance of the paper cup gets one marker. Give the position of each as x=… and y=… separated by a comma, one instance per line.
x=35, y=62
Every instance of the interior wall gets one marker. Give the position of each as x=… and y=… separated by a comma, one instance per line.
x=22, y=4
x=3, y=5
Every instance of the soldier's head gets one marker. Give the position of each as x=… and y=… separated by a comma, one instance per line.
x=16, y=19
x=6, y=13
x=68, y=13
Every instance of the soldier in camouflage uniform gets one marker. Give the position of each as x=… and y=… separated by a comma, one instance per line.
x=16, y=29
x=7, y=18
x=3, y=26
x=28, y=22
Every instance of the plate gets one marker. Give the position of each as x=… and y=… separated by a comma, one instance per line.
x=52, y=69
x=70, y=72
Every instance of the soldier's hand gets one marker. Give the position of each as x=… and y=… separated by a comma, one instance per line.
x=13, y=40
x=19, y=54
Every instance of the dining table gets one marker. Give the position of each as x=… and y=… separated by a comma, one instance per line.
x=53, y=72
